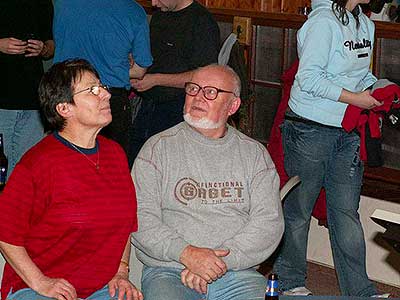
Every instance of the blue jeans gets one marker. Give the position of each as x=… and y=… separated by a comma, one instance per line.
x=29, y=294
x=165, y=283
x=329, y=158
x=21, y=130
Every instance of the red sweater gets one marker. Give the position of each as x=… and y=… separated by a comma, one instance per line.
x=73, y=221
x=355, y=118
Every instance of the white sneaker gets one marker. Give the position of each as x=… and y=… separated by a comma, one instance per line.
x=381, y=295
x=298, y=291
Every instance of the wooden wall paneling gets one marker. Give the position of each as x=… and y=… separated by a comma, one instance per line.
x=292, y=6
x=254, y=5
x=271, y=5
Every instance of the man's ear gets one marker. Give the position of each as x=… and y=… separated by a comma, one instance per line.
x=64, y=110
x=235, y=104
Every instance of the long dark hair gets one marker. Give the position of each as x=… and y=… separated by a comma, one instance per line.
x=339, y=9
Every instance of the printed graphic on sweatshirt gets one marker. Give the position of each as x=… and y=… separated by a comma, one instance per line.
x=353, y=45
x=210, y=192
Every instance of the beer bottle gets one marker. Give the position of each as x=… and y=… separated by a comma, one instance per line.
x=3, y=164
x=272, y=292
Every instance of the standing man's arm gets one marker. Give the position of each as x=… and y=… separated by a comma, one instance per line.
x=140, y=57
x=171, y=80
x=136, y=72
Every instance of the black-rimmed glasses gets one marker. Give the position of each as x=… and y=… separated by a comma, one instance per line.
x=95, y=89
x=209, y=92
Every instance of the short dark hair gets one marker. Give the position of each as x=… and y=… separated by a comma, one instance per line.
x=57, y=86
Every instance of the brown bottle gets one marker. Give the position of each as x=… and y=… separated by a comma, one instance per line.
x=271, y=292
x=3, y=164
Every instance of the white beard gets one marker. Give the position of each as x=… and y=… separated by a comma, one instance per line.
x=202, y=123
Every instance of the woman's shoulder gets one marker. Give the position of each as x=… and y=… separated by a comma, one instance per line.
x=321, y=24
x=43, y=152
x=323, y=17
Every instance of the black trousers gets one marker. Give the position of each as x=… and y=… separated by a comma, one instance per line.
x=154, y=117
x=120, y=129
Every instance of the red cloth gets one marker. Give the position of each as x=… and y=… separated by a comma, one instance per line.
x=356, y=117
x=275, y=147
x=73, y=220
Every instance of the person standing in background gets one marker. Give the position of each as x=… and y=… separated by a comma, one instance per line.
x=107, y=34
x=184, y=36
x=25, y=40
x=335, y=48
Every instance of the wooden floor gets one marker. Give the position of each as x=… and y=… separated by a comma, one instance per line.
x=322, y=281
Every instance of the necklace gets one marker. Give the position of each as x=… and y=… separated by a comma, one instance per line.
x=96, y=164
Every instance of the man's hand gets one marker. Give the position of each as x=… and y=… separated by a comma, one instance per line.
x=193, y=281
x=144, y=84
x=125, y=288
x=56, y=288
x=34, y=48
x=205, y=262
x=13, y=46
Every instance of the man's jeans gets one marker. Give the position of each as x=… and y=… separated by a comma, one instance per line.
x=329, y=158
x=165, y=283
x=21, y=130
x=29, y=294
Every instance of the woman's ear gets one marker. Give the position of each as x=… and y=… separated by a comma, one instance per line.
x=64, y=110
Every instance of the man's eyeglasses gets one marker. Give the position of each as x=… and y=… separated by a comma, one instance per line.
x=95, y=89
x=209, y=92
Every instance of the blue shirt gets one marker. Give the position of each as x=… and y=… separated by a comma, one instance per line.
x=104, y=32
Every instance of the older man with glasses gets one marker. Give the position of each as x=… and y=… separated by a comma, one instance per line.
x=208, y=200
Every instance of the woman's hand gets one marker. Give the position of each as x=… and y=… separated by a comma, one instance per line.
x=56, y=288
x=121, y=283
x=362, y=100
x=13, y=46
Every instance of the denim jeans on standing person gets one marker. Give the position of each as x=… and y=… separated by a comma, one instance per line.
x=21, y=130
x=323, y=157
x=29, y=294
x=165, y=283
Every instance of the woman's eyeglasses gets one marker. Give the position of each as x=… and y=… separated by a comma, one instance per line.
x=95, y=90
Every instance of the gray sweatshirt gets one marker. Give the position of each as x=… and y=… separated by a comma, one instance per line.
x=214, y=193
